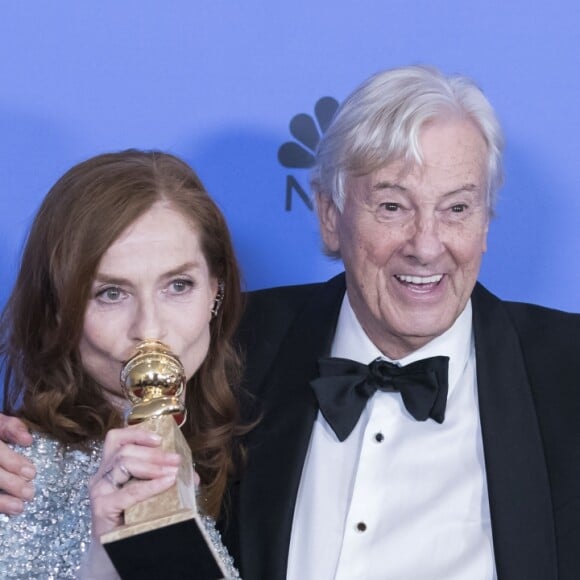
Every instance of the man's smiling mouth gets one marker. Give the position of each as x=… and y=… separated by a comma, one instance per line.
x=419, y=280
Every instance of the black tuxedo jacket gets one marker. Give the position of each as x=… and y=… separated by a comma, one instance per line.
x=528, y=374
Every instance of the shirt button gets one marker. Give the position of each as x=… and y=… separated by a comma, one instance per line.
x=379, y=437
x=361, y=527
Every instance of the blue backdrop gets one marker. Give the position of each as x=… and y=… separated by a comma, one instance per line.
x=218, y=82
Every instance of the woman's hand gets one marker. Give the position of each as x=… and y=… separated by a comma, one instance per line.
x=128, y=454
x=16, y=472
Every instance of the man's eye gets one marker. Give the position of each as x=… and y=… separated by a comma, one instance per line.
x=390, y=206
x=458, y=207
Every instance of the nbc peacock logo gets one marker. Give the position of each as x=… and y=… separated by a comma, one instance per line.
x=299, y=154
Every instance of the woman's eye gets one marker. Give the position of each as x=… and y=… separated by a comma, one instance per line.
x=459, y=207
x=110, y=294
x=181, y=286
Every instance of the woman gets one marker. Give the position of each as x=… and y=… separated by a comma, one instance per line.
x=125, y=247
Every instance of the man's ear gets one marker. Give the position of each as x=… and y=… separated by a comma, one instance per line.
x=486, y=231
x=328, y=216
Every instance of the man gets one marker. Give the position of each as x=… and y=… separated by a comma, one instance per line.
x=462, y=459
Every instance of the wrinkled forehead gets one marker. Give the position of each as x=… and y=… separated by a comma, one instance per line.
x=361, y=157
x=451, y=146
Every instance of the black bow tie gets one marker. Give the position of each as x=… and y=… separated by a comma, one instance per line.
x=344, y=387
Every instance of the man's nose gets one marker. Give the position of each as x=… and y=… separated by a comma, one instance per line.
x=424, y=242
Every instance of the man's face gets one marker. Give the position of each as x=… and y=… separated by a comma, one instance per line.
x=412, y=240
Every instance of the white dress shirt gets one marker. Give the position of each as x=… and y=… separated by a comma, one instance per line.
x=399, y=499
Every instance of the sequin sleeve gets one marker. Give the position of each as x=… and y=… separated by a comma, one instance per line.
x=47, y=541
x=216, y=540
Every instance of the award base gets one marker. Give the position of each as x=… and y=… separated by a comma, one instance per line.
x=163, y=536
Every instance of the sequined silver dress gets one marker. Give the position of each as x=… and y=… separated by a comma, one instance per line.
x=48, y=540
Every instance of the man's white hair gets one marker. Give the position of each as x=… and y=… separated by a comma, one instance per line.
x=380, y=122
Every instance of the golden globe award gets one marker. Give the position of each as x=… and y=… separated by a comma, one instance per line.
x=162, y=537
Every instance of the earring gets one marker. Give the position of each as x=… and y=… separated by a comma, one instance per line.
x=219, y=298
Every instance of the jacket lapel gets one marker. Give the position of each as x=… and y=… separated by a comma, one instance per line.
x=518, y=486
x=278, y=446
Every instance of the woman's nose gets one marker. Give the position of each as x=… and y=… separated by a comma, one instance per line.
x=148, y=322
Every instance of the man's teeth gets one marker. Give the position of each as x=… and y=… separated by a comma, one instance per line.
x=420, y=279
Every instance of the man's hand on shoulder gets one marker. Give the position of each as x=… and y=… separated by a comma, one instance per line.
x=16, y=472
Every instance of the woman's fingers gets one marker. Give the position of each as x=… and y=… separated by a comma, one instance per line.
x=108, y=508
x=134, y=468
x=118, y=438
x=137, y=466
x=133, y=453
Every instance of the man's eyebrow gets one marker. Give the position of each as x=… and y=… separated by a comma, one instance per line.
x=380, y=185
x=466, y=188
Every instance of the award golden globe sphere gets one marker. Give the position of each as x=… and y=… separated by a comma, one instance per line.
x=153, y=380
